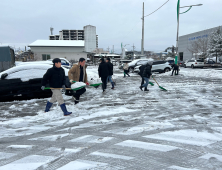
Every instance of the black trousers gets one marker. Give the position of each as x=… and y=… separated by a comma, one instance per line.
x=78, y=93
x=126, y=72
x=176, y=71
x=104, y=80
x=142, y=82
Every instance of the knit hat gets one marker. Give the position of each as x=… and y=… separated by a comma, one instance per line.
x=108, y=59
x=56, y=60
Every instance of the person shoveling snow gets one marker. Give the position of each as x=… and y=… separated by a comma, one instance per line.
x=78, y=74
x=56, y=78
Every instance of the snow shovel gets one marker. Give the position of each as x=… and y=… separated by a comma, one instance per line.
x=47, y=88
x=95, y=85
x=151, y=83
x=78, y=87
x=159, y=85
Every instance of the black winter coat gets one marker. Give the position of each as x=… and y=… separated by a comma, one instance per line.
x=147, y=71
x=141, y=70
x=103, y=70
x=55, y=76
x=174, y=66
x=110, y=67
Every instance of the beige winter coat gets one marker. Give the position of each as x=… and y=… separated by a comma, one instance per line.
x=74, y=73
x=126, y=66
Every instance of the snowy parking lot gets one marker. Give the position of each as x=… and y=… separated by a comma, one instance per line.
x=125, y=128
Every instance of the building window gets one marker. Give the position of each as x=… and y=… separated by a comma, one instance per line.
x=46, y=56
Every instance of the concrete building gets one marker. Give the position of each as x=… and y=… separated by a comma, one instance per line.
x=47, y=49
x=54, y=37
x=185, y=42
x=88, y=34
x=71, y=35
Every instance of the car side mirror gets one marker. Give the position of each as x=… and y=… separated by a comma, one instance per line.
x=3, y=76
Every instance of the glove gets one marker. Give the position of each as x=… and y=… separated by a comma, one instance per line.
x=64, y=87
x=87, y=83
x=71, y=81
x=43, y=87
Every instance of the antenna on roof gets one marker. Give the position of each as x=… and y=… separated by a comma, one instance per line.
x=51, y=29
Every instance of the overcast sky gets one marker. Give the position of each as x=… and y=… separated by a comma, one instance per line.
x=24, y=21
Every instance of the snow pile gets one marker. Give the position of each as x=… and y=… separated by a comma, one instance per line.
x=26, y=72
x=94, y=81
x=186, y=72
x=77, y=85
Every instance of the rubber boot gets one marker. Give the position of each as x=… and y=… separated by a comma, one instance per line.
x=112, y=85
x=48, y=106
x=63, y=107
x=146, y=89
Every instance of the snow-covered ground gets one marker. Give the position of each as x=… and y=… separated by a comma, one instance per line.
x=123, y=128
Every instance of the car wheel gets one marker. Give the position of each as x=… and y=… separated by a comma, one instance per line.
x=185, y=66
x=131, y=70
x=192, y=66
x=166, y=70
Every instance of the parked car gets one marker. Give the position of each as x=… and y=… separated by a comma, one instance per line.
x=135, y=63
x=24, y=82
x=210, y=61
x=181, y=63
x=170, y=61
x=121, y=62
x=157, y=66
x=194, y=63
x=64, y=62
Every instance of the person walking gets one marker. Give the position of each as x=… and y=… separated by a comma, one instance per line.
x=126, y=69
x=78, y=74
x=141, y=68
x=110, y=68
x=56, y=78
x=146, y=75
x=175, y=68
x=103, y=72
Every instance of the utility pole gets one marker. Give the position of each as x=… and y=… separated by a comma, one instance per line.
x=142, y=43
x=133, y=51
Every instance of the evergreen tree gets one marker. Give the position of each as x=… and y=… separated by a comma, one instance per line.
x=215, y=44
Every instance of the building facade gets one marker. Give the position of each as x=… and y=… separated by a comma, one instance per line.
x=88, y=35
x=47, y=49
x=186, y=41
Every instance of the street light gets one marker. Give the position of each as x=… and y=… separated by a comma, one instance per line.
x=178, y=16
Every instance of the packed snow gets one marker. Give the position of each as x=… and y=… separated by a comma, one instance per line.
x=123, y=128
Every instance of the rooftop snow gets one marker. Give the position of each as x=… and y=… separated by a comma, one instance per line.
x=58, y=43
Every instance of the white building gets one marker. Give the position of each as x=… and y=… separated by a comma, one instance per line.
x=90, y=38
x=48, y=49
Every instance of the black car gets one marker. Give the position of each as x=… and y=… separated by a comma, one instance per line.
x=24, y=82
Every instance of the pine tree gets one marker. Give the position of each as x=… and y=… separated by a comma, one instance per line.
x=215, y=44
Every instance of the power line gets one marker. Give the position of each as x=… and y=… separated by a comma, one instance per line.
x=157, y=9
